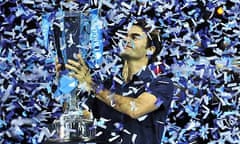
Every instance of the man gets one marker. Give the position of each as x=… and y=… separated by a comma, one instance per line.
x=136, y=110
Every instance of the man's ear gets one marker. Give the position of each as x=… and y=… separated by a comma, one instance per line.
x=152, y=49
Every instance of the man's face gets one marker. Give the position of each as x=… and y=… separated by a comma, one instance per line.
x=136, y=44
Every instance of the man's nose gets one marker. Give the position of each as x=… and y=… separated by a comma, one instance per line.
x=127, y=39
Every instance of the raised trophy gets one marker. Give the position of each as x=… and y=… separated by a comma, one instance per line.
x=75, y=32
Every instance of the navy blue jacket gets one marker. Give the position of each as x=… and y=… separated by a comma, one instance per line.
x=148, y=129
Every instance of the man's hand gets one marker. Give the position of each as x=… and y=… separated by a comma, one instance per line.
x=57, y=67
x=80, y=71
x=87, y=114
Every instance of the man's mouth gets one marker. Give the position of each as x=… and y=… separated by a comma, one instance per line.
x=128, y=47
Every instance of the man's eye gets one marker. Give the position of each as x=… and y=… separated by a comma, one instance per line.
x=136, y=37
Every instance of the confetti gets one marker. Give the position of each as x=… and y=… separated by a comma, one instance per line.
x=191, y=32
x=113, y=138
x=134, y=136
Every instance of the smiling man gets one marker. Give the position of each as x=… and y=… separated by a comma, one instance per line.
x=135, y=111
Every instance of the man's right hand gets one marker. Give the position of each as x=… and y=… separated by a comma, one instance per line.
x=87, y=114
x=57, y=67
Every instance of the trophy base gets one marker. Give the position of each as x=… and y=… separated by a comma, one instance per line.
x=72, y=129
x=69, y=141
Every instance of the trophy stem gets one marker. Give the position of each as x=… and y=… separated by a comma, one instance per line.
x=72, y=105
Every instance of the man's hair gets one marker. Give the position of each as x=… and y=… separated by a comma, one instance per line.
x=153, y=39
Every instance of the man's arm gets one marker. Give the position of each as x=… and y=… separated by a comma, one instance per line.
x=133, y=107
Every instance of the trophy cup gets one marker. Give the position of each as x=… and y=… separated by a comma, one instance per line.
x=75, y=32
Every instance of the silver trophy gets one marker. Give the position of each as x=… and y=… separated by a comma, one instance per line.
x=72, y=35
